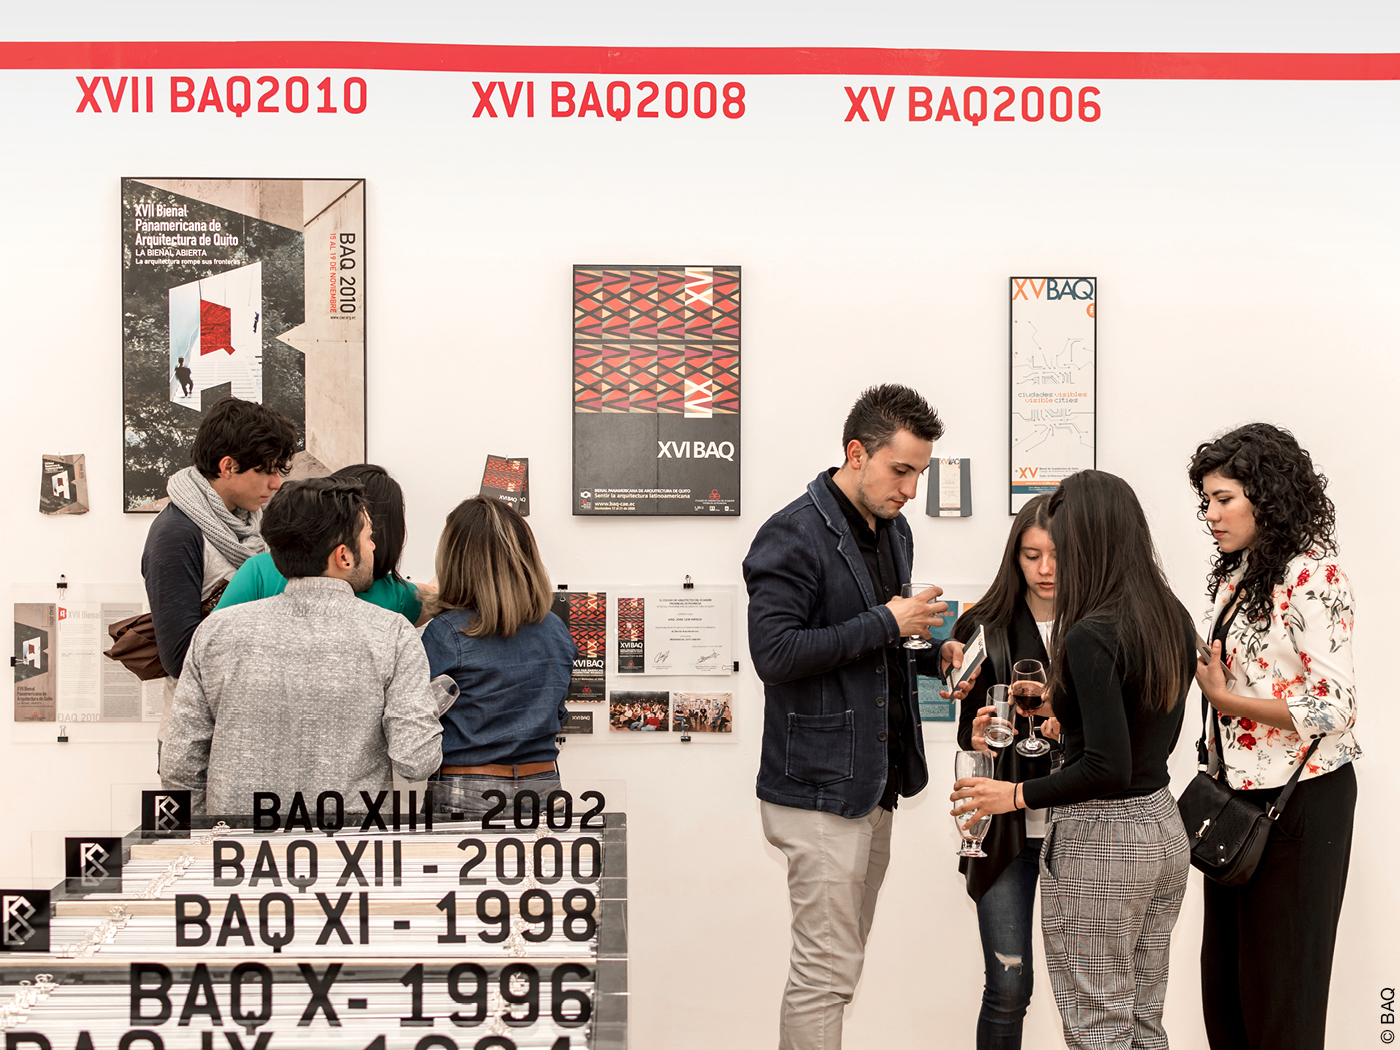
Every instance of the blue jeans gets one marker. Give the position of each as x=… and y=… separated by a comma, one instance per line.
x=1004, y=916
x=454, y=794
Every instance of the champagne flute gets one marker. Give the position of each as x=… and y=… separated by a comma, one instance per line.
x=972, y=764
x=1028, y=690
x=909, y=590
x=1001, y=728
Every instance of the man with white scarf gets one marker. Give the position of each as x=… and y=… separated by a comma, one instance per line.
x=211, y=525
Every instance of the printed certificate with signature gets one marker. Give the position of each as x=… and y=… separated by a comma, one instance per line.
x=688, y=634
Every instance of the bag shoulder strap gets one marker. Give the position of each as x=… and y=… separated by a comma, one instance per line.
x=1224, y=622
x=1277, y=807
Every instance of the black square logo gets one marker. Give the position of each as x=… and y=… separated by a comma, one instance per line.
x=93, y=865
x=24, y=920
x=165, y=812
x=577, y=722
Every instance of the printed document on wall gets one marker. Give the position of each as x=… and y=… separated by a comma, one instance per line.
x=689, y=634
x=1053, y=353
x=60, y=672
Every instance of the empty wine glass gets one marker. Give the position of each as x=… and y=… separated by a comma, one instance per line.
x=1002, y=727
x=972, y=764
x=444, y=689
x=909, y=590
x=1028, y=690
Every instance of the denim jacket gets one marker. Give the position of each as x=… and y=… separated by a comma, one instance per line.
x=821, y=643
x=512, y=689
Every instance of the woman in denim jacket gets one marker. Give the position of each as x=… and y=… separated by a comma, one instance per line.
x=509, y=655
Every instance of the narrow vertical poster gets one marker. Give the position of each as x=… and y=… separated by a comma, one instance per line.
x=253, y=288
x=585, y=614
x=631, y=636
x=1053, y=368
x=36, y=662
x=656, y=390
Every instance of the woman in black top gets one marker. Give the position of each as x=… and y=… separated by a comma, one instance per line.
x=1115, y=857
x=1016, y=613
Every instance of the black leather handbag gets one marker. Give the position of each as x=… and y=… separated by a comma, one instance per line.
x=1227, y=832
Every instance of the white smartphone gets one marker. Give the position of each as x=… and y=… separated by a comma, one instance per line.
x=1204, y=650
x=973, y=654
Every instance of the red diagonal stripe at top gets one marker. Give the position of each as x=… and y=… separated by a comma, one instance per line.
x=700, y=61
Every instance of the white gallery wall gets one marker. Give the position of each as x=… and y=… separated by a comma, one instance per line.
x=1243, y=234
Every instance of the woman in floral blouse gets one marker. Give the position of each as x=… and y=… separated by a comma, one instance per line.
x=1281, y=620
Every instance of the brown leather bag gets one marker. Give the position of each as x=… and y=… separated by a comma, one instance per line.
x=134, y=639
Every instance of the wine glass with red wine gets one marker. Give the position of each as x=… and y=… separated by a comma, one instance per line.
x=1028, y=690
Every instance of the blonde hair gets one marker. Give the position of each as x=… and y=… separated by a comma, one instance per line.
x=487, y=561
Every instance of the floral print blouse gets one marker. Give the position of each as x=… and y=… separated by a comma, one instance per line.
x=1302, y=656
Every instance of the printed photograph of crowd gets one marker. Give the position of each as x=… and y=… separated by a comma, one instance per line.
x=702, y=712
x=638, y=711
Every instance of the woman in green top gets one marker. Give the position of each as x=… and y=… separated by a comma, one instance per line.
x=259, y=578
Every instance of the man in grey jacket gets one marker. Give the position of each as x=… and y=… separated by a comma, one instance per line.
x=312, y=690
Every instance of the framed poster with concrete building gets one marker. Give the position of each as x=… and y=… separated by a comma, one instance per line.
x=253, y=288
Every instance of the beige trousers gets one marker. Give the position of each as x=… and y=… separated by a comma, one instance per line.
x=835, y=868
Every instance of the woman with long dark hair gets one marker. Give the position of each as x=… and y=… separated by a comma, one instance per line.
x=1016, y=614
x=1114, y=860
x=510, y=656
x=1281, y=620
x=259, y=578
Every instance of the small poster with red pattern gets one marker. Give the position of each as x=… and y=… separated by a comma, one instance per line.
x=585, y=614
x=508, y=480
x=631, y=636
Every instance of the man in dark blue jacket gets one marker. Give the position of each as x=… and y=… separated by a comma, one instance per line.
x=841, y=736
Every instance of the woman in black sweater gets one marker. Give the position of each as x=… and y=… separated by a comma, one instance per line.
x=1115, y=857
x=1016, y=613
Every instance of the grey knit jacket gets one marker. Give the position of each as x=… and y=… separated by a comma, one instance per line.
x=312, y=690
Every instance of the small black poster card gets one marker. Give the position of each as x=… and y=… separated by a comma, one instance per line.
x=63, y=487
x=165, y=813
x=24, y=920
x=93, y=864
x=578, y=723
x=508, y=480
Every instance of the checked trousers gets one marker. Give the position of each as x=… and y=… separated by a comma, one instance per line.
x=1112, y=878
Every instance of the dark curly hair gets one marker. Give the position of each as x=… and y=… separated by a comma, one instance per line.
x=1291, y=510
x=257, y=438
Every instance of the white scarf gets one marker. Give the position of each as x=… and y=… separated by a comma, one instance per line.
x=235, y=534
